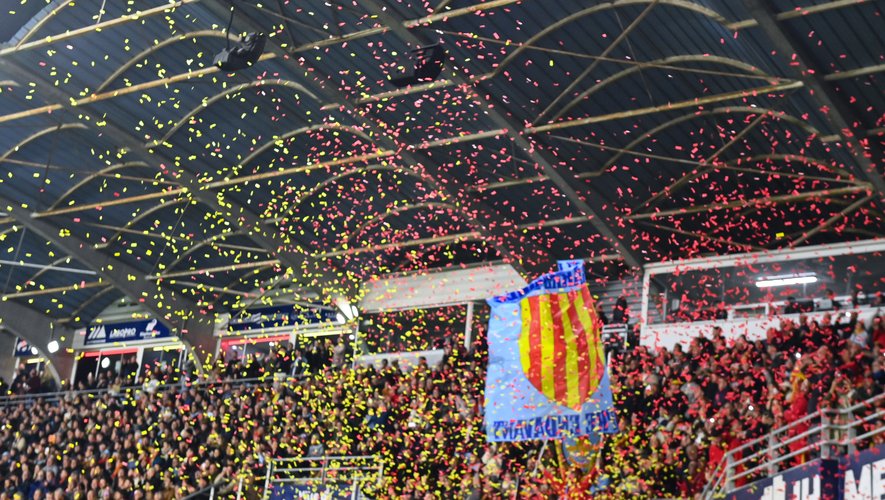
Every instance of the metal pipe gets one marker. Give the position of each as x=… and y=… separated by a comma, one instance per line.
x=576, y=81
x=47, y=267
x=45, y=291
x=769, y=200
x=690, y=103
x=866, y=70
x=97, y=27
x=832, y=220
x=708, y=164
x=210, y=270
x=705, y=236
x=49, y=108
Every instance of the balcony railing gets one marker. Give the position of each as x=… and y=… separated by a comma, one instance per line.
x=830, y=432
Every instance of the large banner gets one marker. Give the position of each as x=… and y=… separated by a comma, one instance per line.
x=547, y=377
x=130, y=331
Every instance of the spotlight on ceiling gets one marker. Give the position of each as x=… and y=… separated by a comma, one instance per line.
x=424, y=64
x=244, y=54
x=52, y=347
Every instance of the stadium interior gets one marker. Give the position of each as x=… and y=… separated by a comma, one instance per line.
x=259, y=249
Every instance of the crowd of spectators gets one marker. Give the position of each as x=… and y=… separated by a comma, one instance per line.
x=680, y=410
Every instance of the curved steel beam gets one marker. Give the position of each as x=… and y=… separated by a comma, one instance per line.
x=154, y=48
x=316, y=188
x=207, y=241
x=683, y=4
x=222, y=95
x=300, y=131
x=398, y=210
x=36, y=135
x=789, y=158
x=138, y=218
x=93, y=176
x=45, y=270
x=76, y=314
x=674, y=60
x=691, y=116
x=46, y=18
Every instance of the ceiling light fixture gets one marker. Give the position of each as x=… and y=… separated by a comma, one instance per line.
x=244, y=54
x=423, y=65
x=785, y=280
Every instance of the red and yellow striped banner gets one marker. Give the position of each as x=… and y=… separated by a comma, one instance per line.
x=560, y=346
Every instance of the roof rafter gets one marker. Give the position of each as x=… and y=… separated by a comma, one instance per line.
x=564, y=180
x=289, y=253
x=164, y=304
x=804, y=68
x=493, y=226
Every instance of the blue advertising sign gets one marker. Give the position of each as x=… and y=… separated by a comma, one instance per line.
x=22, y=349
x=276, y=316
x=862, y=475
x=815, y=479
x=858, y=476
x=129, y=331
x=313, y=492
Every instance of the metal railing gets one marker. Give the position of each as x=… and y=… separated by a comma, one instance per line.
x=128, y=390
x=350, y=471
x=830, y=432
x=213, y=491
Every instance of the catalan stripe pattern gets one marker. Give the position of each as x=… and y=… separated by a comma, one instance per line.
x=560, y=346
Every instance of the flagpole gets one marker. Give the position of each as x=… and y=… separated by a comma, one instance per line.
x=561, y=460
x=540, y=455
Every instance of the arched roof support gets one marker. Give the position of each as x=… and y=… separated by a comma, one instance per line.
x=673, y=60
x=602, y=7
x=691, y=116
x=223, y=95
x=99, y=173
x=154, y=48
x=36, y=135
x=398, y=210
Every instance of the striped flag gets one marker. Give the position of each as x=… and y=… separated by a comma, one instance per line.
x=560, y=346
x=547, y=377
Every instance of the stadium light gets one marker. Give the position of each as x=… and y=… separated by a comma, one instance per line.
x=348, y=310
x=422, y=65
x=244, y=54
x=784, y=280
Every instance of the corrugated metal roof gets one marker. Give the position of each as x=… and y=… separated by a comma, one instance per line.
x=274, y=138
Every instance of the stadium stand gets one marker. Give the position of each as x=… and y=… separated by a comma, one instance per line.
x=178, y=437
x=434, y=249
